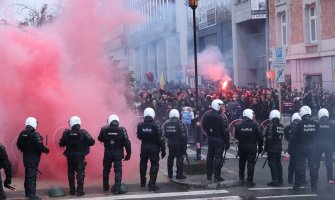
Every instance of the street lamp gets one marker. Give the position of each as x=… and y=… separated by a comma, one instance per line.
x=194, y=4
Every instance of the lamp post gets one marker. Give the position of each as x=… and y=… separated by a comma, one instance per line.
x=194, y=4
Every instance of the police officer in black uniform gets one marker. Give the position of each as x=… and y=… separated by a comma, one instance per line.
x=77, y=142
x=150, y=133
x=289, y=131
x=325, y=143
x=6, y=165
x=115, y=139
x=216, y=127
x=273, y=146
x=30, y=143
x=305, y=140
x=175, y=131
x=248, y=136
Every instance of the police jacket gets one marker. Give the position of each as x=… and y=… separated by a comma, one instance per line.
x=325, y=134
x=273, y=136
x=31, y=142
x=248, y=136
x=307, y=132
x=215, y=125
x=4, y=162
x=289, y=132
x=150, y=132
x=115, y=138
x=77, y=141
x=175, y=131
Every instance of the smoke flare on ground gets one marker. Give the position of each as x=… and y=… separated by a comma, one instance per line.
x=60, y=70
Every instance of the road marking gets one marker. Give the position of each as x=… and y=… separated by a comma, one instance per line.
x=288, y=196
x=273, y=188
x=156, y=195
x=218, y=198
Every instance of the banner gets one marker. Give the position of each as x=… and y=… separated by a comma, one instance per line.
x=162, y=82
x=258, y=9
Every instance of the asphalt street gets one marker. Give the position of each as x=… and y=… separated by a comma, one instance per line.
x=170, y=190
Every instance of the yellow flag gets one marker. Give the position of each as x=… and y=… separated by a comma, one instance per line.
x=161, y=82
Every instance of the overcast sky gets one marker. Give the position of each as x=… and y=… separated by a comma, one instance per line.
x=8, y=10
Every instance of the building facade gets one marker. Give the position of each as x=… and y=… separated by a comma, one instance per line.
x=158, y=44
x=215, y=27
x=249, y=42
x=306, y=30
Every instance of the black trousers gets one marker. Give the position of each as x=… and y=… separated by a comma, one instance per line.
x=149, y=152
x=175, y=152
x=107, y=165
x=304, y=153
x=31, y=162
x=250, y=158
x=275, y=166
x=214, y=158
x=2, y=193
x=76, y=165
x=327, y=149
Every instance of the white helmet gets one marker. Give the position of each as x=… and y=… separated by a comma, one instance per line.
x=174, y=113
x=216, y=104
x=305, y=110
x=274, y=114
x=74, y=120
x=31, y=121
x=323, y=113
x=248, y=113
x=295, y=116
x=149, y=112
x=112, y=118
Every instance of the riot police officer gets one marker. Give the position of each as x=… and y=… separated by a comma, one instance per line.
x=273, y=146
x=248, y=136
x=325, y=142
x=216, y=127
x=30, y=143
x=305, y=140
x=77, y=142
x=115, y=139
x=150, y=133
x=6, y=165
x=289, y=132
x=175, y=131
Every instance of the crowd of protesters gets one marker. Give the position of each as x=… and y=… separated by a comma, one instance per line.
x=258, y=98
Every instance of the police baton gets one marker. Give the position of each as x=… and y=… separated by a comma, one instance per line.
x=224, y=156
x=266, y=160
x=10, y=187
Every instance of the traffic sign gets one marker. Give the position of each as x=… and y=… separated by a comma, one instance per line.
x=280, y=75
x=278, y=57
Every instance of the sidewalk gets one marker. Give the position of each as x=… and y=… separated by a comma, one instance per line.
x=200, y=180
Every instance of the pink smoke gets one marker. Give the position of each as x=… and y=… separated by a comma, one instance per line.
x=212, y=66
x=60, y=70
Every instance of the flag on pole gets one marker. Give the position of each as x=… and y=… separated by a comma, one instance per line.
x=161, y=82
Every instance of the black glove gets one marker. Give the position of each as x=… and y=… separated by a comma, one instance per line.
x=7, y=181
x=127, y=157
x=163, y=154
x=227, y=146
x=46, y=150
x=260, y=150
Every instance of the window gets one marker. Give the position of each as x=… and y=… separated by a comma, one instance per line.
x=283, y=29
x=312, y=24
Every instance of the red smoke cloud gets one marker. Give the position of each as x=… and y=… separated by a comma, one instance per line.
x=60, y=70
x=212, y=66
